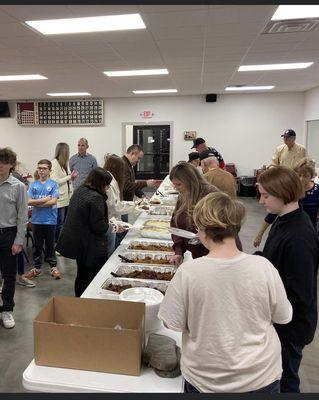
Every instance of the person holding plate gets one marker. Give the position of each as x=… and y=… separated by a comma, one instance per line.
x=191, y=187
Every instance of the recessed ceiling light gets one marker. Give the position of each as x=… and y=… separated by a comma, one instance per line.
x=249, y=87
x=89, y=24
x=270, y=67
x=295, y=12
x=22, y=77
x=155, y=91
x=137, y=72
x=69, y=94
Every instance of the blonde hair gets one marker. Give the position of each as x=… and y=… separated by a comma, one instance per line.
x=219, y=216
x=196, y=187
x=62, y=153
x=306, y=166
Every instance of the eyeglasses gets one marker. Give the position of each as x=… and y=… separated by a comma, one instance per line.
x=42, y=168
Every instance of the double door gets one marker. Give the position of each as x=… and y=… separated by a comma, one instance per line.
x=155, y=141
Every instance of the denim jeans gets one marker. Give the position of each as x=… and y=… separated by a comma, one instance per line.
x=291, y=359
x=62, y=211
x=121, y=236
x=111, y=239
x=272, y=388
x=20, y=259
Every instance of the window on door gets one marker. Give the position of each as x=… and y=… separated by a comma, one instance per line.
x=155, y=141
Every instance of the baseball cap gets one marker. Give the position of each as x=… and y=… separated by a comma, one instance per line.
x=193, y=156
x=206, y=154
x=197, y=142
x=289, y=133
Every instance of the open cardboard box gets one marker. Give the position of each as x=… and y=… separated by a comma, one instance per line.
x=82, y=333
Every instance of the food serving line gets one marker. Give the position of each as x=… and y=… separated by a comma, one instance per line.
x=111, y=277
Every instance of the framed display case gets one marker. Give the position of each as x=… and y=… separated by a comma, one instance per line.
x=75, y=112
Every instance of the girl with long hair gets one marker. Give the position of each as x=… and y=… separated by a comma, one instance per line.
x=61, y=174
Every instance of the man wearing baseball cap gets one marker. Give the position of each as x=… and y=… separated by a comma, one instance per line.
x=289, y=153
x=193, y=158
x=200, y=145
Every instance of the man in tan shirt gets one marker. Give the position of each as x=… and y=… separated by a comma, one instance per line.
x=218, y=177
x=289, y=153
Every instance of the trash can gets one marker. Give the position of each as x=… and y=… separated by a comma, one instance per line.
x=247, y=186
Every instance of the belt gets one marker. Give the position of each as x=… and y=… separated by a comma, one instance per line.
x=8, y=229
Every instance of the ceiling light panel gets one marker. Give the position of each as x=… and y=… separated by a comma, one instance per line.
x=31, y=77
x=137, y=72
x=295, y=12
x=273, y=67
x=69, y=94
x=89, y=24
x=240, y=88
x=155, y=91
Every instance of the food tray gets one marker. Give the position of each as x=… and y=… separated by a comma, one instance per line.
x=161, y=210
x=158, y=223
x=148, y=257
x=155, y=200
x=120, y=284
x=169, y=200
x=138, y=245
x=156, y=233
x=151, y=269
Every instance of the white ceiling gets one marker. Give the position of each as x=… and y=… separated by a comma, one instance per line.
x=201, y=45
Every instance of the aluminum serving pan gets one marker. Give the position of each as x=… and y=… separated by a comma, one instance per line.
x=161, y=210
x=144, y=245
x=155, y=233
x=158, y=223
x=117, y=285
x=146, y=272
x=148, y=257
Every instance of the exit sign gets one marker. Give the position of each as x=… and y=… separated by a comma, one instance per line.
x=146, y=114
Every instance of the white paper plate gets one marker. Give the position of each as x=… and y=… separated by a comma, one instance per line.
x=182, y=233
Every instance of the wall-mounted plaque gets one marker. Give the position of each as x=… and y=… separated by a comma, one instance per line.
x=77, y=112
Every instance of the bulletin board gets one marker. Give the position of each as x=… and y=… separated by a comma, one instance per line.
x=67, y=113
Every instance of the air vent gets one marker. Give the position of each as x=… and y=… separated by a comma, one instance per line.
x=292, y=26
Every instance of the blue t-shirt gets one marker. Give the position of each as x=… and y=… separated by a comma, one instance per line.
x=38, y=190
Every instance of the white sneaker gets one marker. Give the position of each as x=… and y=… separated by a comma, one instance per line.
x=7, y=319
x=23, y=281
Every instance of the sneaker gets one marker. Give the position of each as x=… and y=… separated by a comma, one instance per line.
x=7, y=319
x=55, y=273
x=33, y=273
x=58, y=254
x=23, y=281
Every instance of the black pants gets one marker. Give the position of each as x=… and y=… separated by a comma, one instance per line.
x=84, y=277
x=44, y=236
x=8, y=267
x=272, y=388
x=291, y=359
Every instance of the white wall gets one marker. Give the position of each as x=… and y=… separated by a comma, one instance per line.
x=311, y=110
x=245, y=128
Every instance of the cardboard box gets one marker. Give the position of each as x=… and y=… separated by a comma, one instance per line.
x=78, y=333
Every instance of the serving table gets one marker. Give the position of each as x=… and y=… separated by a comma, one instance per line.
x=50, y=379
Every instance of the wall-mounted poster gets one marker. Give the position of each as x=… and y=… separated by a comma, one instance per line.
x=189, y=135
x=77, y=112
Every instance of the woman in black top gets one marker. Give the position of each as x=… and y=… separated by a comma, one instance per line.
x=83, y=234
x=292, y=247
